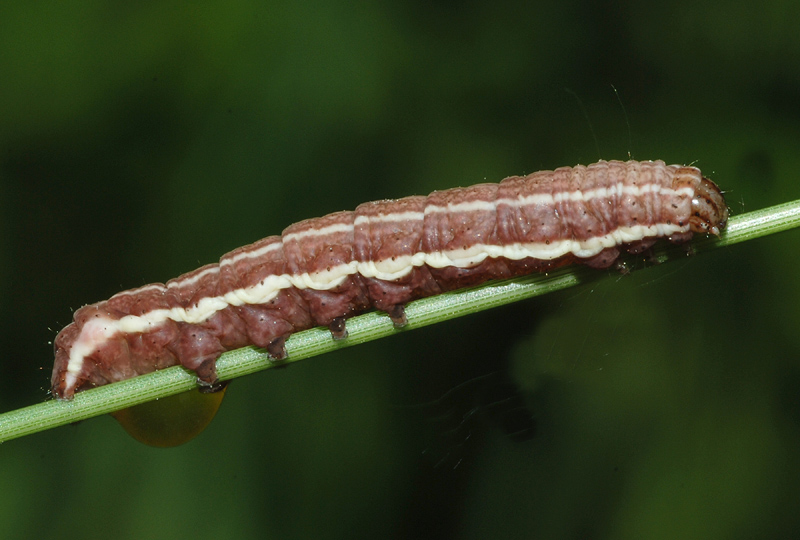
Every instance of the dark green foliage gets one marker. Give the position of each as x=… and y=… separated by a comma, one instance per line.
x=140, y=140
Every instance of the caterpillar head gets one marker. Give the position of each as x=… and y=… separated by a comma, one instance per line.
x=709, y=211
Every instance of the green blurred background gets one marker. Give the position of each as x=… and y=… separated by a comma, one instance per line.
x=140, y=140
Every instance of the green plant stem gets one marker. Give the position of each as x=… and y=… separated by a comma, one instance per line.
x=364, y=328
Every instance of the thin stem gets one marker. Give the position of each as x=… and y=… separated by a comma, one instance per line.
x=363, y=328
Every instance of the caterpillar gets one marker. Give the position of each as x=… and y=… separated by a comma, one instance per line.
x=321, y=271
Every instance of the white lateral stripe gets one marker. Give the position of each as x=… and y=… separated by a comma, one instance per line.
x=263, y=250
x=98, y=330
x=462, y=207
x=381, y=218
x=325, y=231
x=193, y=279
x=616, y=190
x=548, y=199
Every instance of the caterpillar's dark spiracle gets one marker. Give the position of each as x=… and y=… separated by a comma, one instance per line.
x=383, y=255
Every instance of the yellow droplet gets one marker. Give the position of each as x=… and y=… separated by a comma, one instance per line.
x=172, y=420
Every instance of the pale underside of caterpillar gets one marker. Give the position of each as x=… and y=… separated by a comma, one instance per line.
x=383, y=255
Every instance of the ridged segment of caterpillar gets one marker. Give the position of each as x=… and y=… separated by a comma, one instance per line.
x=383, y=255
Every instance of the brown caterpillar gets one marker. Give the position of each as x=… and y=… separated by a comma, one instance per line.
x=383, y=255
